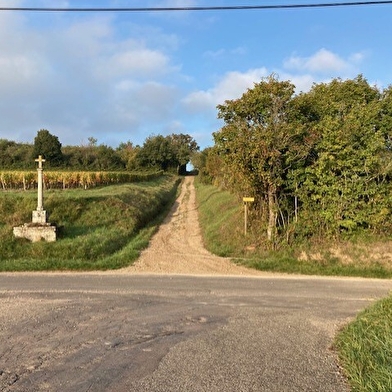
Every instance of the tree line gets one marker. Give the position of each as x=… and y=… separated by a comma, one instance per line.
x=167, y=153
x=317, y=163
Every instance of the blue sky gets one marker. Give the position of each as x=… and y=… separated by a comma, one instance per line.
x=122, y=77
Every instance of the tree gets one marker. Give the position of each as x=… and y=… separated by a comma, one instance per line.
x=258, y=143
x=127, y=153
x=183, y=147
x=49, y=147
x=346, y=183
x=208, y=164
x=167, y=153
x=156, y=152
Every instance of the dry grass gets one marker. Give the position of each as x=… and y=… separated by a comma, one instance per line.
x=352, y=253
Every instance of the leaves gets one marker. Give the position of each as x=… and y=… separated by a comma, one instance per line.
x=323, y=157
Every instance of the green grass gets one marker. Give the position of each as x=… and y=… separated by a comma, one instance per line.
x=223, y=234
x=101, y=228
x=365, y=349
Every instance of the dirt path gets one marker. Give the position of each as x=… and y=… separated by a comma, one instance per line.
x=177, y=247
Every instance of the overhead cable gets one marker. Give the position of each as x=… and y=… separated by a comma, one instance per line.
x=197, y=8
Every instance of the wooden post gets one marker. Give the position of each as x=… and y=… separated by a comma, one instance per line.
x=247, y=200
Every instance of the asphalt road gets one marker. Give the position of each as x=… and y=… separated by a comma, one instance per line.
x=108, y=332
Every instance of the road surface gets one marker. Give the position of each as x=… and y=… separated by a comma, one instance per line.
x=119, y=332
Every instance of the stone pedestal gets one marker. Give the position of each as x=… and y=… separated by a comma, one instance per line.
x=36, y=232
x=40, y=217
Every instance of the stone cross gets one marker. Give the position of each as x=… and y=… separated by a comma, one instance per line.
x=39, y=216
x=40, y=205
x=39, y=229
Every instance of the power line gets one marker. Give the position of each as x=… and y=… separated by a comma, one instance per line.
x=201, y=8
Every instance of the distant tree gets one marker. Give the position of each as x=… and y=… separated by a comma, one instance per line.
x=49, y=147
x=170, y=153
x=107, y=159
x=92, y=141
x=15, y=155
x=127, y=153
x=156, y=152
x=208, y=163
x=183, y=147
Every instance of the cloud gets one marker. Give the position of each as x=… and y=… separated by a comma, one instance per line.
x=217, y=54
x=231, y=86
x=324, y=62
x=303, y=72
x=80, y=78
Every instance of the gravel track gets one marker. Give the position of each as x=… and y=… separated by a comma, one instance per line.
x=177, y=247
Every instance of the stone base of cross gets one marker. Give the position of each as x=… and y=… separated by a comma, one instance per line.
x=40, y=217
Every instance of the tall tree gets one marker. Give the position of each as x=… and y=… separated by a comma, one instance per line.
x=257, y=143
x=49, y=147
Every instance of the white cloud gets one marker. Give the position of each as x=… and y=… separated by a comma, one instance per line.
x=80, y=78
x=217, y=54
x=231, y=86
x=323, y=61
x=142, y=61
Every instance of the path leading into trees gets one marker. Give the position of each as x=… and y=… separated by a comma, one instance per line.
x=177, y=247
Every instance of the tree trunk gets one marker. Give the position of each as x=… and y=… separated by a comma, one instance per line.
x=272, y=214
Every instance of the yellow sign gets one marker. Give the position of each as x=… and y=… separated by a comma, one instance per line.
x=248, y=199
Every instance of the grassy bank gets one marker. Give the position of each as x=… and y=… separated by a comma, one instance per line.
x=365, y=349
x=224, y=235
x=100, y=228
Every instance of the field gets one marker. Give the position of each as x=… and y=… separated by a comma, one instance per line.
x=99, y=228
x=20, y=179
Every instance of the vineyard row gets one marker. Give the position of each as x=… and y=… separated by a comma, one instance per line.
x=68, y=179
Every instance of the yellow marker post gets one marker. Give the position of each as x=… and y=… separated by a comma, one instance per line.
x=247, y=200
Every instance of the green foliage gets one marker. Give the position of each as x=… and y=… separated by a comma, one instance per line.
x=101, y=228
x=15, y=155
x=208, y=165
x=183, y=147
x=318, y=163
x=365, y=348
x=127, y=153
x=347, y=180
x=49, y=147
x=167, y=153
x=223, y=234
x=262, y=140
x=93, y=157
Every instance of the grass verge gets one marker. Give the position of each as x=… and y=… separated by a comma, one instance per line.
x=223, y=234
x=365, y=349
x=102, y=228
